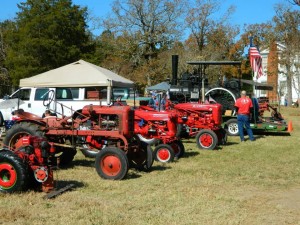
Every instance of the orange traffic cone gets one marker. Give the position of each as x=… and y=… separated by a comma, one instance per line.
x=290, y=126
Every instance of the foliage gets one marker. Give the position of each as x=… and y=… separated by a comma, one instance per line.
x=146, y=28
x=46, y=34
x=287, y=31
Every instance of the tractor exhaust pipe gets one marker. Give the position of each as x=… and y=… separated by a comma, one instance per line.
x=174, y=69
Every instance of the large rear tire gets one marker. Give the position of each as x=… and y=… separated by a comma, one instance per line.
x=141, y=159
x=150, y=141
x=24, y=129
x=178, y=148
x=20, y=130
x=206, y=139
x=13, y=173
x=111, y=163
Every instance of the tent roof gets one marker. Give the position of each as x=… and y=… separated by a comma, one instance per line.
x=163, y=86
x=77, y=74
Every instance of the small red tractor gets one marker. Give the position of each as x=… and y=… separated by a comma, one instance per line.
x=105, y=131
x=202, y=121
x=27, y=166
x=160, y=128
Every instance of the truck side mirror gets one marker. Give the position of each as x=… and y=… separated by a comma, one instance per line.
x=6, y=97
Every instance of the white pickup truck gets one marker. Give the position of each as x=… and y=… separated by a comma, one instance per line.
x=35, y=100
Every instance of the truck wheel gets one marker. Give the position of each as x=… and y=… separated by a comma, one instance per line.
x=206, y=139
x=111, y=163
x=150, y=141
x=1, y=119
x=178, y=148
x=142, y=159
x=13, y=172
x=164, y=153
x=231, y=127
x=18, y=131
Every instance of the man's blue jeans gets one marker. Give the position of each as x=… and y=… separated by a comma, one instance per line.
x=244, y=120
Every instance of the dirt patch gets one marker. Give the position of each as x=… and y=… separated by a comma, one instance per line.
x=289, y=199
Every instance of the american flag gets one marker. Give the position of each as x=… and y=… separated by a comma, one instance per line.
x=255, y=60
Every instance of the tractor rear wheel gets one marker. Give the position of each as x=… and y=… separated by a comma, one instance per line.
x=112, y=163
x=206, y=139
x=222, y=136
x=150, y=141
x=23, y=129
x=66, y=157
x=164, y=153
x=142, y=159
x=19, y=130
x=13, y=172
x=178, y=148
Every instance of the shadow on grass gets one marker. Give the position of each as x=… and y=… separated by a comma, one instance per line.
x=63, y=183
x=82, y=162
x=272, y=133
x=188, y=141
x=188, y=154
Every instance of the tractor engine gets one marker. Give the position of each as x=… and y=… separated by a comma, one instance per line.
x=153, y=124
x=109, y=118
x=200, y=115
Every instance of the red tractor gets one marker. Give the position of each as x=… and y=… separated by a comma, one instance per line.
x=27, y=166
x=159, y=127
x=109, y=129
x=202, y=121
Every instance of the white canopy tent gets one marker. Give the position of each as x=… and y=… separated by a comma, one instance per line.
x=77, y=74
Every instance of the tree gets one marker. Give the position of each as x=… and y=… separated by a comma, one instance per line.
x=5, y=82
x=286, y=30
x=295, y=2
x=47, y=34
x=146, y=27
x=212, y=37
x=205, y=28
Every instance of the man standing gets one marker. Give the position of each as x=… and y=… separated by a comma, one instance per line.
x=243, y=106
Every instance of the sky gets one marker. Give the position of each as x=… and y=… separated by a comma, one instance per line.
x=247, y=11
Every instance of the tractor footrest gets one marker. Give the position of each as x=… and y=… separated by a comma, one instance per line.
x=53, y=194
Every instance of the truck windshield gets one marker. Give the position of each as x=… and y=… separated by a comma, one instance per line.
x=23, y=94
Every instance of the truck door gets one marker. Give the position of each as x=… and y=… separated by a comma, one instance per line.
x=23, y=103
x=37, y=106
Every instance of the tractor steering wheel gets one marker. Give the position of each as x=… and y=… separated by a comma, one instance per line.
x=48, y=98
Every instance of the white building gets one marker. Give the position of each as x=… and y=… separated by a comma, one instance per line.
x=281, y=80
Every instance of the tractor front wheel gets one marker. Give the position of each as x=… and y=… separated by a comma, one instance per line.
x=13, y=172
x=112, y=163
x=206, y=139
x=164, y=153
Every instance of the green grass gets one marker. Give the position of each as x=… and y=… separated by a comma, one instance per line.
x=241, y=183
